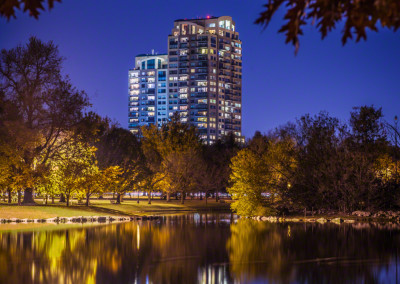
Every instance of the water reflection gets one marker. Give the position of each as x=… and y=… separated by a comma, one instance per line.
x=201, y=248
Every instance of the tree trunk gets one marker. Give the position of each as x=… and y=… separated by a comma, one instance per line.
x=19, y=197
x=67, y=199
x=62, y=197
x=9, y=195
x=216, y=196
x=201, y=196
x=206, y=197
x=168, y=197
x=28, y=196
x=52, y=199
x=149, y=196
x=118, y=198
x=87, y=199
x=182, y=197
x=46, y=198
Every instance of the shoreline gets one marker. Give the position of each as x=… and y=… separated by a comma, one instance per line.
x=338, y=218
x=78, y=219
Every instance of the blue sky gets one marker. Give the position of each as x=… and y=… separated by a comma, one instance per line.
x=100, y=39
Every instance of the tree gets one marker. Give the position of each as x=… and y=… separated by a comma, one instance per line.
x=74, y=170
x=45, y=104
x=357, y=16
x=120, y=156
x=261, y=175
x=7, y=7
x=217, y=158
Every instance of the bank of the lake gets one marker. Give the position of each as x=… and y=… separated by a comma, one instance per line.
x=105, y=208
x=336, y=217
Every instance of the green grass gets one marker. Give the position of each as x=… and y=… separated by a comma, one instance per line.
x=105, y=208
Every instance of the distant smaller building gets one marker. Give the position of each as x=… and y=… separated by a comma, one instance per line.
x=148, y=91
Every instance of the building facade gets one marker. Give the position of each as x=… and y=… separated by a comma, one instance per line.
x=204, y=79
x=148, y=91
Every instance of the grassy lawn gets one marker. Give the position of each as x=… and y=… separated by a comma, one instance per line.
x=105, y=208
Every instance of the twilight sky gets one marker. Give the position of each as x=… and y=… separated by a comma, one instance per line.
x=100, y=39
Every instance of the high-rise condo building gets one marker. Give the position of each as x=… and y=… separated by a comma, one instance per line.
x=204, y=76
x=148, y=91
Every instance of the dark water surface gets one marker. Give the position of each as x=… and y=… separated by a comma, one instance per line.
x=203, y=248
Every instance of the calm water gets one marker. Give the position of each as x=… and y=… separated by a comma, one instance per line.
x=200, y=248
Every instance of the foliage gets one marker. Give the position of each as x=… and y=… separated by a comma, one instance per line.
x=261, y=175
x=358, y=16
x=44, y=104
x=318, y=164
x=8, y=7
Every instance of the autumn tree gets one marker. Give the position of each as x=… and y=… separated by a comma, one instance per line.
x=8, y=7
x=358, y=17
x=120, y=156
x=261, y=175
x=46, y=105
x=215, y=169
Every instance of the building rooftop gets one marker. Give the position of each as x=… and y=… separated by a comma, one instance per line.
x=205, y=18
x=150, y=54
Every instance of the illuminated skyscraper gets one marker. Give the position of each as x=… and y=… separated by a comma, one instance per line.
x=148, y=91
x=204, y=76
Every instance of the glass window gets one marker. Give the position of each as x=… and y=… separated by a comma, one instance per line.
x=162, y=75
x=228, y=25
x=151, y=64
x=143, y=65
x=159, y=64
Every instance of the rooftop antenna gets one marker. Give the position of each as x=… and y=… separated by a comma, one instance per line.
x=152, y=52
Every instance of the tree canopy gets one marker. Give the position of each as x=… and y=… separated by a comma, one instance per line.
x=358, y=17
x=33, y=7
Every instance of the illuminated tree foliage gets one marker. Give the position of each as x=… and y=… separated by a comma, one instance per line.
x=45, y=105
x=358, y=16
x=260, y=175
x=318, y=163
x=173, y=152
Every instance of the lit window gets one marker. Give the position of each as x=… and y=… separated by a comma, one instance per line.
x=211, y=25
x=221, y=24
x=228, y=25
x=151, y=80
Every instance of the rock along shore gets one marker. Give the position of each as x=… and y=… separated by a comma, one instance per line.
x=356, y=216
x=80, y=219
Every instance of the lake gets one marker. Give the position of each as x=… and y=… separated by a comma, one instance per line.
x=202, y=248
